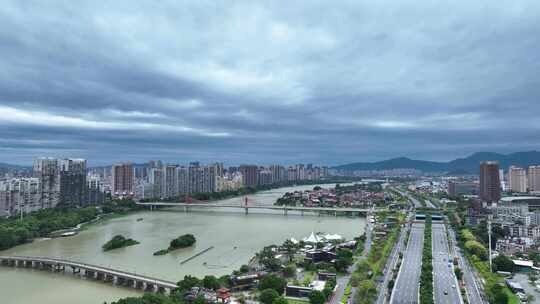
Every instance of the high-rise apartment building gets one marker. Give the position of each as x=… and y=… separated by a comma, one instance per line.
x=534, y=178
x=157, y=180
x=278, y=173
x=47, y=170
x=249, y=175
x=265, y=176
x=20, y=195
x=72, y=182
x=122, y=179
x=95, y=189
x=170, y=181
x=490, y=184
x=517, y=178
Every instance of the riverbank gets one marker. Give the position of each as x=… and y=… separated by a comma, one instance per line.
x=216, y=196
x=236, y=239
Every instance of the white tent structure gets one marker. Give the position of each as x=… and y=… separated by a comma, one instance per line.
x=313, y=238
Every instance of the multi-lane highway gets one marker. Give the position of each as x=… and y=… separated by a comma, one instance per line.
x=408, y=280
x=445, y=285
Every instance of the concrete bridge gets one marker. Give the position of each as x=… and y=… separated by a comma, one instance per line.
x=246, y=207
x=112, y=276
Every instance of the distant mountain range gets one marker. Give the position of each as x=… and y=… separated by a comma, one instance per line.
x=14, y=167
x=468, y=165
x=460, y=166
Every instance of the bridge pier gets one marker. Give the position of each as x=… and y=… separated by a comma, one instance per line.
x=131, y=283
x=47, y=266
x=140, y=285
x=120, y=281
x=109, y=278
x=150, y=287
x=162, y=290
x=285, y=210
x=246, y=210
x=89, y=274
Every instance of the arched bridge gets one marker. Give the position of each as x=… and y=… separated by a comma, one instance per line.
x=113, y=276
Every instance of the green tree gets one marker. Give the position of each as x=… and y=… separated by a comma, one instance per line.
x=244, y=269
x=267, y=296
x=210, y=282
x=476, y=248
x=366, y=292
x=503, y=263
x=290, y=248
x=273, y=282
x=188, y=282
x=498, y=295
x=316, y=297
x=289, y=271
x=459, y=273
x=280, y=300
x=198, y=300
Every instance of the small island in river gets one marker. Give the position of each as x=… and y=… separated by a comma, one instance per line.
x=183, y=241
x=118, y=241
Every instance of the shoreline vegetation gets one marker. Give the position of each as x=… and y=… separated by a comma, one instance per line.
x=118, y=241
x=183, y=241
x=41, y=223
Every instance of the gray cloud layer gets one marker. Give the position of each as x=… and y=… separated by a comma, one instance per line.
x=244, y=81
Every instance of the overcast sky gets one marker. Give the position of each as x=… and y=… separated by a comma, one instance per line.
x=327, y=82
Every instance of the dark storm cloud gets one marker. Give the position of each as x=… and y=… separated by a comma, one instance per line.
x=264, y=82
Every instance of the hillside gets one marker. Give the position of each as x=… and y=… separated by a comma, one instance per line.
x=469, y=164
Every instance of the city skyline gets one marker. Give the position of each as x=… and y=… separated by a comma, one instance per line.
x=265, y=83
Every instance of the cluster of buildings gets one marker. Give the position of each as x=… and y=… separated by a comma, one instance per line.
x=53, y=182
x=157, y=180
x=517, y=212
x=493, y=181
x=398, y=172
x=68, y=182
x=329, y=197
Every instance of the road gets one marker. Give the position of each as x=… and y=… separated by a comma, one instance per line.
x=390, y=264
x=343, y=281
x=417, y=203
x=445, y=285
x=474, y=293
x=408, y=280
x=430, y=204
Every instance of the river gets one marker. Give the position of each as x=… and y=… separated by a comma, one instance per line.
x=236, y=238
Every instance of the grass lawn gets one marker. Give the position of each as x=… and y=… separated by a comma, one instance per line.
x=512, y=298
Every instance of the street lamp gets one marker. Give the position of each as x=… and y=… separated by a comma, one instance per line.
x=490, y=216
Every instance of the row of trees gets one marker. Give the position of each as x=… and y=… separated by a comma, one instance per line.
x=363, y=276
x=475, y=242
x=426, y=276
x=14, y=231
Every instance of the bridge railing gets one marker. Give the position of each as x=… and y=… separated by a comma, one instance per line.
x=85, y=265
